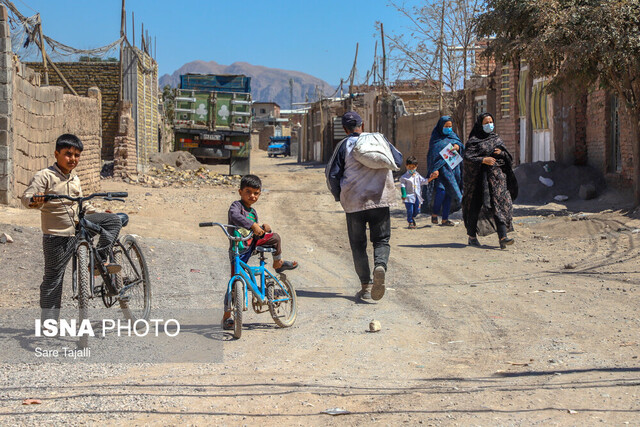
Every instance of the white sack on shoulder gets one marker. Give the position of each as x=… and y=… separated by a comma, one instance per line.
x=372, y=150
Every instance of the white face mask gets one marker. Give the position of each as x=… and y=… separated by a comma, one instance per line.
x=488, y=127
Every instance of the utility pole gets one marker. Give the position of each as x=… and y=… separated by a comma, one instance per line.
x=291, y=94
x=440, y=47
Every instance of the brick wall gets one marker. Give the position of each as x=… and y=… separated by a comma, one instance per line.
x=508, y=117
x=597, y=129
x=83, y=75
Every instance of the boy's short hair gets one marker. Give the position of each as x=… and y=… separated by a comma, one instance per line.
x=68, y=140
x=250, y=181
x=412, y=160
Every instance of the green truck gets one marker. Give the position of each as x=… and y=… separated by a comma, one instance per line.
x=213, y=119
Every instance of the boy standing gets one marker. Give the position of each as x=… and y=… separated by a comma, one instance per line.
x=58, y=221
x=242, y=215
x=410, y=186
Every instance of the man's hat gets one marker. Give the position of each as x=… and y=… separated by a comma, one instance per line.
x=351, y=119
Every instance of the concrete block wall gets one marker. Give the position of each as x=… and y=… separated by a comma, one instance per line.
x=37, y=121
x=32, y=118
x=6, y=86
x=84, y=75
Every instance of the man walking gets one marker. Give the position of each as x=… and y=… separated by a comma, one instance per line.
x=365, y=195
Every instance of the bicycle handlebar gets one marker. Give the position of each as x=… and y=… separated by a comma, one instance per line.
x=106, y=196
x=224, y=228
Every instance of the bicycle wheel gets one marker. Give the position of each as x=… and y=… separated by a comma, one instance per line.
x=238, y=306
x=133, y=280
x=82, y=256
x=284, y=312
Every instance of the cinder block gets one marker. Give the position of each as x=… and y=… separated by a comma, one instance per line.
x=4, y=153
x=5, y=183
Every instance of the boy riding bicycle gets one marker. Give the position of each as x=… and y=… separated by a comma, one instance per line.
x=242, y=215
x=59, y=218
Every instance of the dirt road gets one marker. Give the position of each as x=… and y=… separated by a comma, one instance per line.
x=547, y=332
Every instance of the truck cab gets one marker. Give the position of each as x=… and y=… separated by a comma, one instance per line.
x=279, y=145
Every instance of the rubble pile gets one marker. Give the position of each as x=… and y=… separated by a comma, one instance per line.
x=168, y=175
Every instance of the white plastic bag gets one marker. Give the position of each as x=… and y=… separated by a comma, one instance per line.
x=372, y=150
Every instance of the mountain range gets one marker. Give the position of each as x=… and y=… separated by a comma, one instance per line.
x=267, y=84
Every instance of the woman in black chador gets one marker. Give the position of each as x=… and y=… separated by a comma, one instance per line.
x=489, y=184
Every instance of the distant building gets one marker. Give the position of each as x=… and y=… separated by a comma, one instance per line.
x=263, y=111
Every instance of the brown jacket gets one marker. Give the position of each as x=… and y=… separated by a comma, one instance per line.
x=57, y=217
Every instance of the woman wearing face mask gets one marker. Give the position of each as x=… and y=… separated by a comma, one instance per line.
x=489, y=184
x=448, y=181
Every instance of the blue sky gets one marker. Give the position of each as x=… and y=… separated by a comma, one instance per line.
x=315, y=37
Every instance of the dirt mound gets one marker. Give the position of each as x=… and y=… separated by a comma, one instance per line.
x=567, y=180
x=182, y=160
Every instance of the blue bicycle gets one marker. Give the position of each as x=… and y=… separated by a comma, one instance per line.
x=269, y=293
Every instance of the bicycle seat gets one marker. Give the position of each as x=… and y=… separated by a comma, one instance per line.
x=124, y=218
x=265, y=249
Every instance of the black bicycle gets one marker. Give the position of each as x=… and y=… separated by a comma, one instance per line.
x=131, y=287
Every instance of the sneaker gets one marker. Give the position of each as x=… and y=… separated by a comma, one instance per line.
x=377, y=291
x=365, y=292
x=227, y=322
x=473, y=241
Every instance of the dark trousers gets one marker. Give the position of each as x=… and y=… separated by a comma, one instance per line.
x=472, y=224
x=57, y=252
x=441, y=200
x=379, y=221
x=413, y=209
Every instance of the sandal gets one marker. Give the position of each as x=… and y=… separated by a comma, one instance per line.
x=287, y=265
x=227, y=324
x=447, y=223
x=434, y=219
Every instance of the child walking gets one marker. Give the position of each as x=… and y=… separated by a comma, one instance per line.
x=410, y=186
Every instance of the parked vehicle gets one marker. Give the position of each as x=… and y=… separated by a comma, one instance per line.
x=213, y=119
x=279, y=145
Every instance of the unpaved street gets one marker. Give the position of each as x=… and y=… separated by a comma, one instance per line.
x=547, y=332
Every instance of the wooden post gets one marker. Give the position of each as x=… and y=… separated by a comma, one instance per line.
x=123, y=19
x=353, y=72
x=384, y=58
x=44, y=54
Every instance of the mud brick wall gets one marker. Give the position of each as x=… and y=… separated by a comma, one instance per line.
x=125, y=157
x=81, y=118
x=265, y=133
x=412, y=137
x=84, y=75
x=147, y=116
